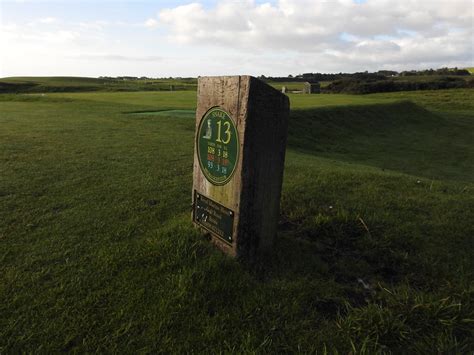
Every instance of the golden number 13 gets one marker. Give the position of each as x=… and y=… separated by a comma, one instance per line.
x=226, y=132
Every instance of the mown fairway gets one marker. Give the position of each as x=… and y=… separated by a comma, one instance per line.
x=375, y=245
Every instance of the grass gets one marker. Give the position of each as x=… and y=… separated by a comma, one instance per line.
x=293, y=85
x=84, y=84
x=64, y=84
x=374, y=249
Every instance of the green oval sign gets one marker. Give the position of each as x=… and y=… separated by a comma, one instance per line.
x=217, y=146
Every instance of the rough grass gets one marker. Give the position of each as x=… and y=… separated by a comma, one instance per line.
x=374, y=252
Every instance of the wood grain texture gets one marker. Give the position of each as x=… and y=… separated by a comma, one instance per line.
x=260, y=114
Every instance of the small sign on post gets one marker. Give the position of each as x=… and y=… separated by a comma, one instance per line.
x=241, y=129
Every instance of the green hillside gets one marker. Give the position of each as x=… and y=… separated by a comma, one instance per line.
x=374, y=248
x=44, y=85
x=82, y=84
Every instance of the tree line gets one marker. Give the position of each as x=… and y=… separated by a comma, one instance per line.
x=381, y=74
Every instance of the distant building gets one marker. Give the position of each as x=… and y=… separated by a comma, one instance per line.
x=312, y=88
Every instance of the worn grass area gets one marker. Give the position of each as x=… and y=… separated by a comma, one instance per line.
x=374, y=252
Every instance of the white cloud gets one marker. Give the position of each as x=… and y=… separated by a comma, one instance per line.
x=116, y=57
x=151, y=23
x=41, y=46
x=242, y=37
x=338, y=34
x=47, y=20
x=88, y=48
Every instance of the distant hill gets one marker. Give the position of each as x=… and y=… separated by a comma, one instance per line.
x=83, y=84
x=357, y=83
x=401, y=83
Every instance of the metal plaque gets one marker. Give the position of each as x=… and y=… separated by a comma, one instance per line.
x=213, y=217
x=217, y=146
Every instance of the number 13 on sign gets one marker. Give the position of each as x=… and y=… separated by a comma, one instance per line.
x=227, y=132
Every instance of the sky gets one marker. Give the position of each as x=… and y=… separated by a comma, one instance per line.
x=231, y=37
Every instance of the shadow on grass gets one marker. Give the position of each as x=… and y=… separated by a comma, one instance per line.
x=400, y=136
x=339, y=248
x=338, y=245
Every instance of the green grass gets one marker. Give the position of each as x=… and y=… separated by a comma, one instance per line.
x=97, y=251
x=293, y=85
x=84, y=84
x=290, y=85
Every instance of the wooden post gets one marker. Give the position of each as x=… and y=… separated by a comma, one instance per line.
x=240, y=142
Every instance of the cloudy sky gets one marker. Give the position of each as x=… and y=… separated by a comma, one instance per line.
x=191, y=38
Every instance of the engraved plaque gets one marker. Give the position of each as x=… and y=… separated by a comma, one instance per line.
x=213, y=217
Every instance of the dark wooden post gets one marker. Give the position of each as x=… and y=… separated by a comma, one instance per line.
x=241, y=129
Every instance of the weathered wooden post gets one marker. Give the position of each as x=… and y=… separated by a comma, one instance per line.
x=241, y=129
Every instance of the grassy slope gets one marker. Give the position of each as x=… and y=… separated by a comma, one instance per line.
x=290, y=85
x=84, y=84
x=97, y=252
x=293, y=85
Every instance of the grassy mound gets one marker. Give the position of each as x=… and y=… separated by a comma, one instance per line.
x=402, y=137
